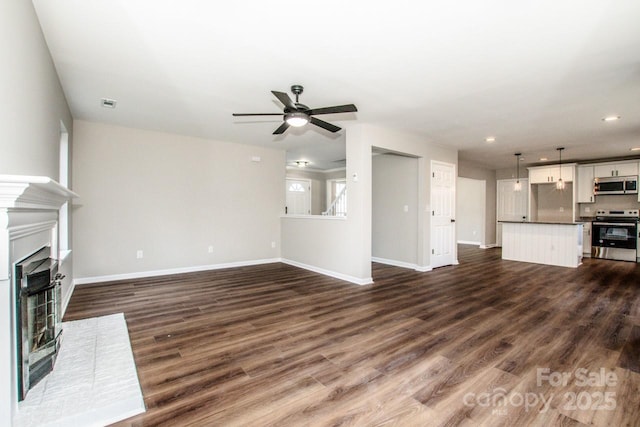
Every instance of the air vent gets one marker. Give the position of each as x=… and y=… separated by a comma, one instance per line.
x=108, y=103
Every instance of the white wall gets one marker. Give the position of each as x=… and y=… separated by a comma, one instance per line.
x=426, y=151
x=33, y=103
x=471, y=170
x=394, y=231
x=172, y=197
x=470, y=211
x=352, y=238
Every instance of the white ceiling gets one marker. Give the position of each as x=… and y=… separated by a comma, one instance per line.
x=536, y=75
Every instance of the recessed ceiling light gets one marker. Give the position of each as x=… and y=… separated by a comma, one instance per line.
x=611, y=118
x=543, y=159
x=302, y=163
x=490, y=139
x=635, y=149
x=108, y=103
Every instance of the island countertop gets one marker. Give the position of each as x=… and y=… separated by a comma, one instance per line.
x=547, y=222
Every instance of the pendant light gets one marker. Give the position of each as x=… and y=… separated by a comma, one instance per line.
x=560, y=183
x=518, y=185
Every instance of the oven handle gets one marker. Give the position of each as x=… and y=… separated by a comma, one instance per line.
x=616, y=224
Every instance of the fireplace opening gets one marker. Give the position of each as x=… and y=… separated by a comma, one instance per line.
x=38, y=322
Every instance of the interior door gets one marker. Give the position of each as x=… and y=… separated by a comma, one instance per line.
x=443, y=208
x=512, y=205
x=298, y=197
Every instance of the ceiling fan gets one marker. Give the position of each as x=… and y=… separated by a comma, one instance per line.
x=296, y=114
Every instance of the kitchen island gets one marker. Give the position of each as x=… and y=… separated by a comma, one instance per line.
x=551, y=243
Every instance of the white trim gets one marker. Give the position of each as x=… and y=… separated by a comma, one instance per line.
x=342, y=168
x=468, y=242
x=341, y=218
x=314, y=170
x=489, y=246
x=63, y=256
x=32, y=192
x=394, y=262
x=65, y=302
x=167, y=272
x=21, y=231
x=401, y=264
x=329, y=273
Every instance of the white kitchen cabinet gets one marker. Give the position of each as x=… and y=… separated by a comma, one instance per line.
x=586, y=239
x=585, y=184
x=550, y=174
x=604, y=170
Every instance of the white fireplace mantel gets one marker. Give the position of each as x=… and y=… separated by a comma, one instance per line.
x=32, y=192
x=29, y=207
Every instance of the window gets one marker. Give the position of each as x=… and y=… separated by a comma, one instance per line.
x=296, y=187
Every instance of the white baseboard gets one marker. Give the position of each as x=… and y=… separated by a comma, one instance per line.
x=341, y=276
x=142, y=274
x=489, y=246
x=468, y=242
x=395, y=263
x=402, y=264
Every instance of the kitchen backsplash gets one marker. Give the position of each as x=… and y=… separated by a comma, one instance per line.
x=627, y=201
x=552, y=204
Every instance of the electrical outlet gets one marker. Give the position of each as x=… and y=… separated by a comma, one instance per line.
x=561, y=209
x=273, y=245
x=210, y=249
x=139, y=254
x=406, y=208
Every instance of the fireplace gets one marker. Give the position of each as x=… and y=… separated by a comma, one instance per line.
x=29, y=252
x=38, y=317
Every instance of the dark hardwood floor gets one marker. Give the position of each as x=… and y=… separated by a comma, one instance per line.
x=277, y=345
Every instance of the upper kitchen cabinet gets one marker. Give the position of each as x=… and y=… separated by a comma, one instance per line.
x=604, y=170
x=585, y=184
x=549, y=174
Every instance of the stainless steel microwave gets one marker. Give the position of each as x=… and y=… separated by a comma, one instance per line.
x=616, y=185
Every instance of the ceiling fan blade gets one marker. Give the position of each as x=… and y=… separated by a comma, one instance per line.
x=284, y=126
x=324, y=125
x=285, y=99
x=349, y=108
x=256, y=114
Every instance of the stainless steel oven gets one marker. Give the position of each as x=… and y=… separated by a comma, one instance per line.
x=614, y=235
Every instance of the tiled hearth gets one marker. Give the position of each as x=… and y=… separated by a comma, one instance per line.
x=94, y=382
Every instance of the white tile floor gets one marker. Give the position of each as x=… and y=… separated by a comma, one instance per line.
x=94, y=381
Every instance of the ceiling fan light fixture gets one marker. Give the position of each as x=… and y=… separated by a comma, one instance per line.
x=296, y=119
